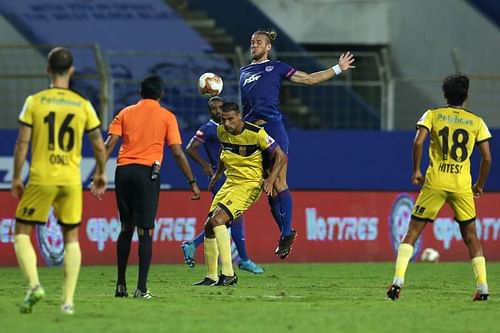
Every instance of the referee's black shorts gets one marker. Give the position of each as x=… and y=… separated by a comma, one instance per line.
x=136, y=195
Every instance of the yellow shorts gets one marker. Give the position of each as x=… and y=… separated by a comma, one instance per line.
x=236, y=197
x=36, y=201
x=430, y=201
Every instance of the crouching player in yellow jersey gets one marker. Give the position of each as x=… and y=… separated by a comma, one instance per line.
x=242, y=146
x=54, y=120
x=454, y=131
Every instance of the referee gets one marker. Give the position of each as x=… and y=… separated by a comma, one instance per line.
x=144, y=128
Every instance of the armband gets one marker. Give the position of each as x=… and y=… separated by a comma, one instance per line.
x=191, y=182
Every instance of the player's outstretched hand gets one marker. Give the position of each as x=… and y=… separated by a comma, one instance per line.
x=17, y=188
x=477, y=191
x=196, y=192
x=346, y=61
x=98, y=186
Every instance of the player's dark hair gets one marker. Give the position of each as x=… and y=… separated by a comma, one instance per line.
x=456, y=88
x=60, y=60
x=228, y=107
x=270, y=34
x=152, y=87
x=214, y=98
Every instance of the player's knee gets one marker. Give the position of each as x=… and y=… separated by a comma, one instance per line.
x=70, y=233
x=217, y=220
x=470, y=239
x=209, y=230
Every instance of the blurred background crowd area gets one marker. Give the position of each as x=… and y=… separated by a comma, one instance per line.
x=403, y=50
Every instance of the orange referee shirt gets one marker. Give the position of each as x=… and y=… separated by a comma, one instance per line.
x=144, y=128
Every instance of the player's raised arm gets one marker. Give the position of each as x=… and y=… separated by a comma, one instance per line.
x=345, y=63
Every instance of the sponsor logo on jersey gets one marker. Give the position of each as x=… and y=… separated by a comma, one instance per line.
x=251, y=79
x=269, y=68
x=454, y=119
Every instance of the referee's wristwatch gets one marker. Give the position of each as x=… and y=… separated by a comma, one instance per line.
x=191, y=182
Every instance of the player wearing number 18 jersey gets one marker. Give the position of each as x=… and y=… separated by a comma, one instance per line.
x=54, y=120
x=453, y=131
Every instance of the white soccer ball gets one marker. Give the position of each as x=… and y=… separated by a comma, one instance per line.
x=429, y=255
x=210, y=84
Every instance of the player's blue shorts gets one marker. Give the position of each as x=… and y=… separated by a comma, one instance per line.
x=276, y=129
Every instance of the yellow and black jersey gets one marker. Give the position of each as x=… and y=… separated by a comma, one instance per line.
x=242, y=153
x=58, y=118
x=453, y=134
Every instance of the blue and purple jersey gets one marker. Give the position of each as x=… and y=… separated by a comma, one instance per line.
x=260, y=86
x=207, y=135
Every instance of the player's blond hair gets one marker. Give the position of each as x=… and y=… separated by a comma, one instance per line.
x=270, y=34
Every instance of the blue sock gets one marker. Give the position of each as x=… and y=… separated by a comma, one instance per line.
x=238, y=235
x=199, y=239
x=275, y=210
x=285, y=200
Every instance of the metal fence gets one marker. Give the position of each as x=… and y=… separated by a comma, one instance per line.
x=410, y=97
x=23, y=72
x=180, y=72
x=356, y=99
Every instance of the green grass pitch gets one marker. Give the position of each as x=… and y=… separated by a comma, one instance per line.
x=286, y=298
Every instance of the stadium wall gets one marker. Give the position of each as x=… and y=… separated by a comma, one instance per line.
x=426, y=40
x=331, y=226
x=318, y=160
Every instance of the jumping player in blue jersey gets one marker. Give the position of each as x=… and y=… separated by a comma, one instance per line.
x=206, y=136
x=260, y=85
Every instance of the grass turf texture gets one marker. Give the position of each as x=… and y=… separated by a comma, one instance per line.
x=286, y=298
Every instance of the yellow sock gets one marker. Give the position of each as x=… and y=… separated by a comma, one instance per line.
x=211, y=258
x=72, y=262
x=26, y=257
x=404, y=254
x=224, y=246
x=479, y=267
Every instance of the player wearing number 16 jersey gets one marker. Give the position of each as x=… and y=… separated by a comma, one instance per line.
x=454, y=131
x=54, y=120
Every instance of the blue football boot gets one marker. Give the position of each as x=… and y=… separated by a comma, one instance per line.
x=188, y=251
x=250, y=266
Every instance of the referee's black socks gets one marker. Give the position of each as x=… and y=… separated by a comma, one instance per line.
x=145, y=254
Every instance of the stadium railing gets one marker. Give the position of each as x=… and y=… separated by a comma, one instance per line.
x=110, y=79
x=23, y=72
x=409, y=97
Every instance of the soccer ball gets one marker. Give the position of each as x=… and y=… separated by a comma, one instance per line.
x=429, y=255
x=210, y=84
